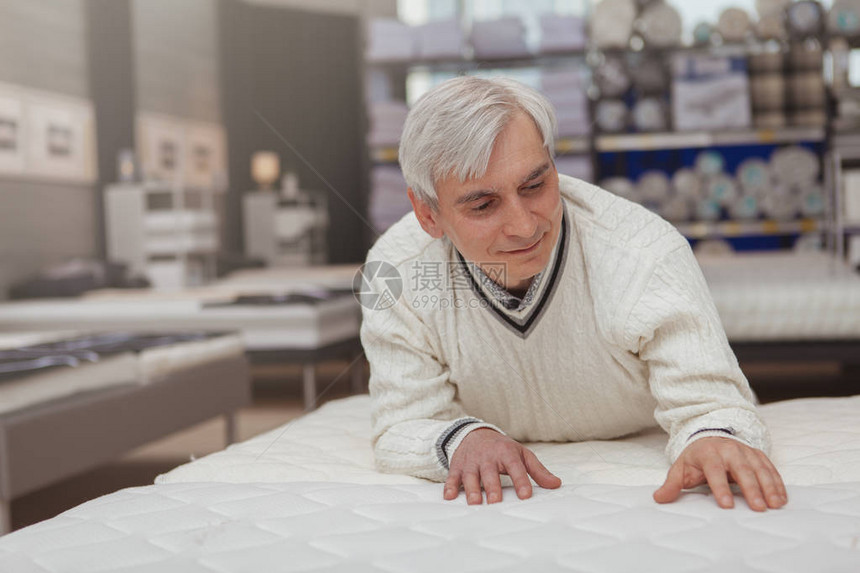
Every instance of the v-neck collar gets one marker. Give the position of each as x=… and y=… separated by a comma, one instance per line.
x=523, y=319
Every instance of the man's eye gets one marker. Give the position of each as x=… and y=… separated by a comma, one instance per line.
x=481, y=207
x=535, y=186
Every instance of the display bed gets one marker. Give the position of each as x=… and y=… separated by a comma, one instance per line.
x=769, y=297
x=125, y=391
x=265, y=324
x=305, y=316
x=784, y=308
x=305, y=497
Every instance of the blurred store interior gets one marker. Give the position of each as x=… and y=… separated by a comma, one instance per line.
x=223, y=166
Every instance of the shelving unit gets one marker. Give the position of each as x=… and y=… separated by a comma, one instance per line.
x=167, y=233
x=550, y=59
x=563, y=145
x=727, y=229
x=703, y=139
x=844, y=153
x=465, y=65
x=619, y=148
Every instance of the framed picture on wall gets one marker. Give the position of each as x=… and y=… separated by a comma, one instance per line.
x=161, y=142
x=206, y=156
x=11, y=134
x=60, y=142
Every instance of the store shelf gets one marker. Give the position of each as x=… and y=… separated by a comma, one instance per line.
x=685, y=140
x=728, y=49
x=472, y=64
x=383, y=154
x=706, y=230
x=570, y=145
x=556, y=58
x=563, y=146
x=167, y=187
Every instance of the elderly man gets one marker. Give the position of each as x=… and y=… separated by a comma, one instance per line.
x=537, y=307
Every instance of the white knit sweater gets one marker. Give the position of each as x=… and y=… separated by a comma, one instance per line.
x=621, y=333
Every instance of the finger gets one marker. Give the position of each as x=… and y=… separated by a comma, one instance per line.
x=746, y=478
x=767, y=478
x=671, y=488
x=542, y=476
x=452, y=485
x=718, y=481
x=492, y=484
x=472, y=485
x=517, y=470
x=777, y=478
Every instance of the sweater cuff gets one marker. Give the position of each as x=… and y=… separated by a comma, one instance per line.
x=714, y=433
x=451, y=438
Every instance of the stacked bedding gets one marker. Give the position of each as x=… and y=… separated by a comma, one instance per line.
x=305, y=497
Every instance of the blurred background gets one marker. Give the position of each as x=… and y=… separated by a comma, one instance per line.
x=224, y=166
x=213, y=101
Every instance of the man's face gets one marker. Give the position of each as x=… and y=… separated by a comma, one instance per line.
x=511, y=216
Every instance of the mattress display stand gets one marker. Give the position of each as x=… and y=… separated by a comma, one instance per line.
x=53, y=441
x=844, y=352
x=847, y=352
x=350, y=349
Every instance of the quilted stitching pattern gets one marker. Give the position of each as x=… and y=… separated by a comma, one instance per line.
x=775, y=296
x=602, y=520
x=399, y=528
x=815, y=441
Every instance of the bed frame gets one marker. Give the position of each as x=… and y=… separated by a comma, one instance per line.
x=846, y=352
x=349, y=349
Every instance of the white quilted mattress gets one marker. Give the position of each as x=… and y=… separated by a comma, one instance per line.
x=795, y=296
x=816, y=441
x=295, y=326
x=278, y=279
x=305, y=498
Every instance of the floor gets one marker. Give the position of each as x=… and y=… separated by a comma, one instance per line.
x=277, y=399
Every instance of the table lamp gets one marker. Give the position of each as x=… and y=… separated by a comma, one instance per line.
x=265, y=168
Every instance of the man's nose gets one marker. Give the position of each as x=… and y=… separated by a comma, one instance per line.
x=519, y=220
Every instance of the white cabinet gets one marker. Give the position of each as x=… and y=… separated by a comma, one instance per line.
x=284, y=234
x=169, y=235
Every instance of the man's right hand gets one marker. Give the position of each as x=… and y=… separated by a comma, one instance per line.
x=483, y=456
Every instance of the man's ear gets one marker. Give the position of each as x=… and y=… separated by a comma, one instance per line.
x=427, y=217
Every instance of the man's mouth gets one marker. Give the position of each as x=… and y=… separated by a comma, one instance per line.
x=528, y=249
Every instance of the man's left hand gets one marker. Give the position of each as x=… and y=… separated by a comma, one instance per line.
x=715, y=460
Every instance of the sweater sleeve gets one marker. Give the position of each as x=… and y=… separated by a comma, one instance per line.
x=417, y=423
x=693, y=373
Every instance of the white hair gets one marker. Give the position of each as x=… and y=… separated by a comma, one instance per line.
x=452, y=128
